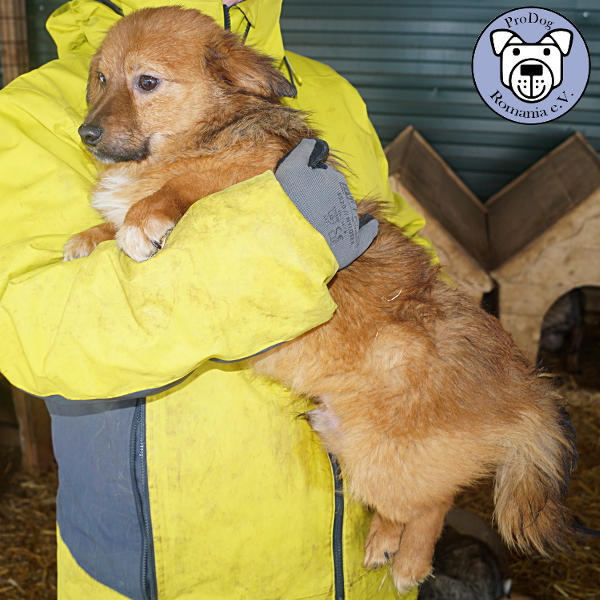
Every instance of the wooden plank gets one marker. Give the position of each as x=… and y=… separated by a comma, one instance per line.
x=34, y=430
x=580, y=173
x=536, y=200
x=9, y=428
x=13, y=28
x=456, y=262
x=441, y=193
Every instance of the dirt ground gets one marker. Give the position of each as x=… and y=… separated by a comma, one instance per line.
x=27, y=531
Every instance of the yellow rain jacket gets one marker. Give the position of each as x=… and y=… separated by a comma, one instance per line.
x=180, y=477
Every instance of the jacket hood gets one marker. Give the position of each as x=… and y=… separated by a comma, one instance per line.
x=80, y=25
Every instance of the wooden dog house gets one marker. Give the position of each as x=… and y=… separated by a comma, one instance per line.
x=545, y=237
x=538, y=238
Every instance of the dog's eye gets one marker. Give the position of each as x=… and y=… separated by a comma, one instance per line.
x=546, y=51
x=516, y=52
x=147, y=82
x=102, y=78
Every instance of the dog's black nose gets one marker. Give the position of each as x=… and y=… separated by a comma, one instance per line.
x=90, y=134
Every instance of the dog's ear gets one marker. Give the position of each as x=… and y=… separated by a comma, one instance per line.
x=242, y=69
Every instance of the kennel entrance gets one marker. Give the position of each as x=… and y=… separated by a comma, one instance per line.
x=570, y=336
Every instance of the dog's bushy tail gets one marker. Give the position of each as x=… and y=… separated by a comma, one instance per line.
x=532, y=482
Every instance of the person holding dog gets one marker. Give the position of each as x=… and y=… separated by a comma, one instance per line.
x=181, y=476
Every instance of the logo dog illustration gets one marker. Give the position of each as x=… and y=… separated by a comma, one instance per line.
x=531, y=71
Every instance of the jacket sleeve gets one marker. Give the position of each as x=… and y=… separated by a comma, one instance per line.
x=242, y=271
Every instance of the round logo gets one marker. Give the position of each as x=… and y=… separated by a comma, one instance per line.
x=531, y=65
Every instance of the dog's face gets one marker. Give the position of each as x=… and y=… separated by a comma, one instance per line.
x=161, y=75
x=531, y=71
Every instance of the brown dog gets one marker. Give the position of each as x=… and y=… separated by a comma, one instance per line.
x=420, y=392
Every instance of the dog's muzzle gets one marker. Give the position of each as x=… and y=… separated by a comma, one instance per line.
x=90, y=134
x=119, y=148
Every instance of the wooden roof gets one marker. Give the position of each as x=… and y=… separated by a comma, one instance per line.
x=515, y=216
x=439, y=191
x=538, y=198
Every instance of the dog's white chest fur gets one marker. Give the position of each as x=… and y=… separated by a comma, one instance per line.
x=111, y=196
x=117, y=191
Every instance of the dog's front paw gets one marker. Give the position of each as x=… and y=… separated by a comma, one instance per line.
x=78, y=246
x=82, y=244
x=141, y=241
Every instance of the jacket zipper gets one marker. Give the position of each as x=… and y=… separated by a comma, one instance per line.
x=112, y=6
x=338, y=528
x=227, y=22
x=142, y=499
x=226, y=18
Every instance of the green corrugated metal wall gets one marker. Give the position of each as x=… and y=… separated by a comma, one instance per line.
x=411, y=61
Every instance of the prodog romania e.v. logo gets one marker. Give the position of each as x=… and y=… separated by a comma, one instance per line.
x=531, y=65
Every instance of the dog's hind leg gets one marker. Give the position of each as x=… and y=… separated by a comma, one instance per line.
x=382, y=542
x=412, y=563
